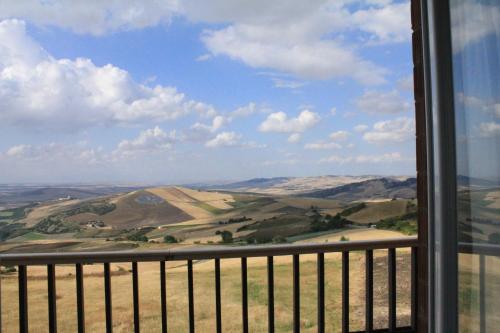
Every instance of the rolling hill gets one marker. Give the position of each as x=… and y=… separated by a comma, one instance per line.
x=373, y=189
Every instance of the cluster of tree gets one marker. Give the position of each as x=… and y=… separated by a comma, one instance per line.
x=236, y=220
x=226, y=236
x=137, y=238
x=55, y=224
x=278, y=239
x=353, y=209
x=100, y=208
x=405, y=226
x=170, y=239
x=329, y=222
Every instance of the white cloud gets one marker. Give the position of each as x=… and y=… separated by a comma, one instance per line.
x=339, y=136
x=382, y=102
x=63, y=154
x=361, y=128
x=322, y=145
x=246, y=110
x=290, y=161
x=361, y=159
x=294, y=137
x=149, y=141
x=40, y=91
x=204, y=57
x=386, y=22
x=305, y=59
x=336, y=159
x=481, y=104
x=224, y=139
x=287, y=84
x=395, y=130
x=382, y=158
x=303, y=38
x=279, y=122
x=92, y=17
x=217, y=123
x=489, y=129
x=481, y=20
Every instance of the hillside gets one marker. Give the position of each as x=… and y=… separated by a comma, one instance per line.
x=286, y=185
x=374, y=189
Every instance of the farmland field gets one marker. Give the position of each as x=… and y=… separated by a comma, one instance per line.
x=204, y=301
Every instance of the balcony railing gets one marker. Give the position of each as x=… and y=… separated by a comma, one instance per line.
x=50, y=260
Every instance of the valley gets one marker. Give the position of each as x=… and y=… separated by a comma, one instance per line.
x=259, y=211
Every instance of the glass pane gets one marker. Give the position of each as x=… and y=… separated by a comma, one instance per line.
x=476, y=62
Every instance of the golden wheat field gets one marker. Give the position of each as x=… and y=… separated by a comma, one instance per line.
x=177, y=308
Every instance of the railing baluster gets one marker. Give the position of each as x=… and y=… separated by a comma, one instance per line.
x=482, y=294
x=218, y=314
x=244, y=294
x=414, y=287
x=321, y=292
x=270, y=294
x=135, y=290
x=345, y=292
x=163, y=296
x=369, y=291
x=391, y=266
x=190, y=296
x=51, y=295
x=80, y=303
x=23, y=299
x=296, y=294
x=107, y=298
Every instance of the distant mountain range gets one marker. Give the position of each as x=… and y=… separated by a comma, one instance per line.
x=345, y=188
x=26, y=194
x=373, y=189
x=294, y=185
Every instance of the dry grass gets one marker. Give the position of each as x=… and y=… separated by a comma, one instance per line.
x=204, y=295
x=375, y=211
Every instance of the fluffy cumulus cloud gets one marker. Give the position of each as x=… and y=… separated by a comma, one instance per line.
x=224, y=139
x=149, y=141
x=480, y=104
x=322, y=145
x=294, y=137
x=489, y=129
x=339, y=136
x=154, y=140
x=297, y=36
x=333, y=143
x=481, y=20
x=92, y=17
x=38, y=90
x=53, y=153
x=391, y=131
x=361, y=128
x=382, y=102
x=281, y=123
x=293, y=36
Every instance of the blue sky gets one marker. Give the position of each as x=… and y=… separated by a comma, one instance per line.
x=185, y=91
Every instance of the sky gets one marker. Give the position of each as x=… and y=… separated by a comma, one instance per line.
x=186, y=91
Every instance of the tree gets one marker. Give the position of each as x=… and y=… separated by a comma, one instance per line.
x=170, y=239
x=226, y=236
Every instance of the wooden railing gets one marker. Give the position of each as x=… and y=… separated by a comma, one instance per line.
x=50, y=260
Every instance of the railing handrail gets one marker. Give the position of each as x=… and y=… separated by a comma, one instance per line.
x=219, y=252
